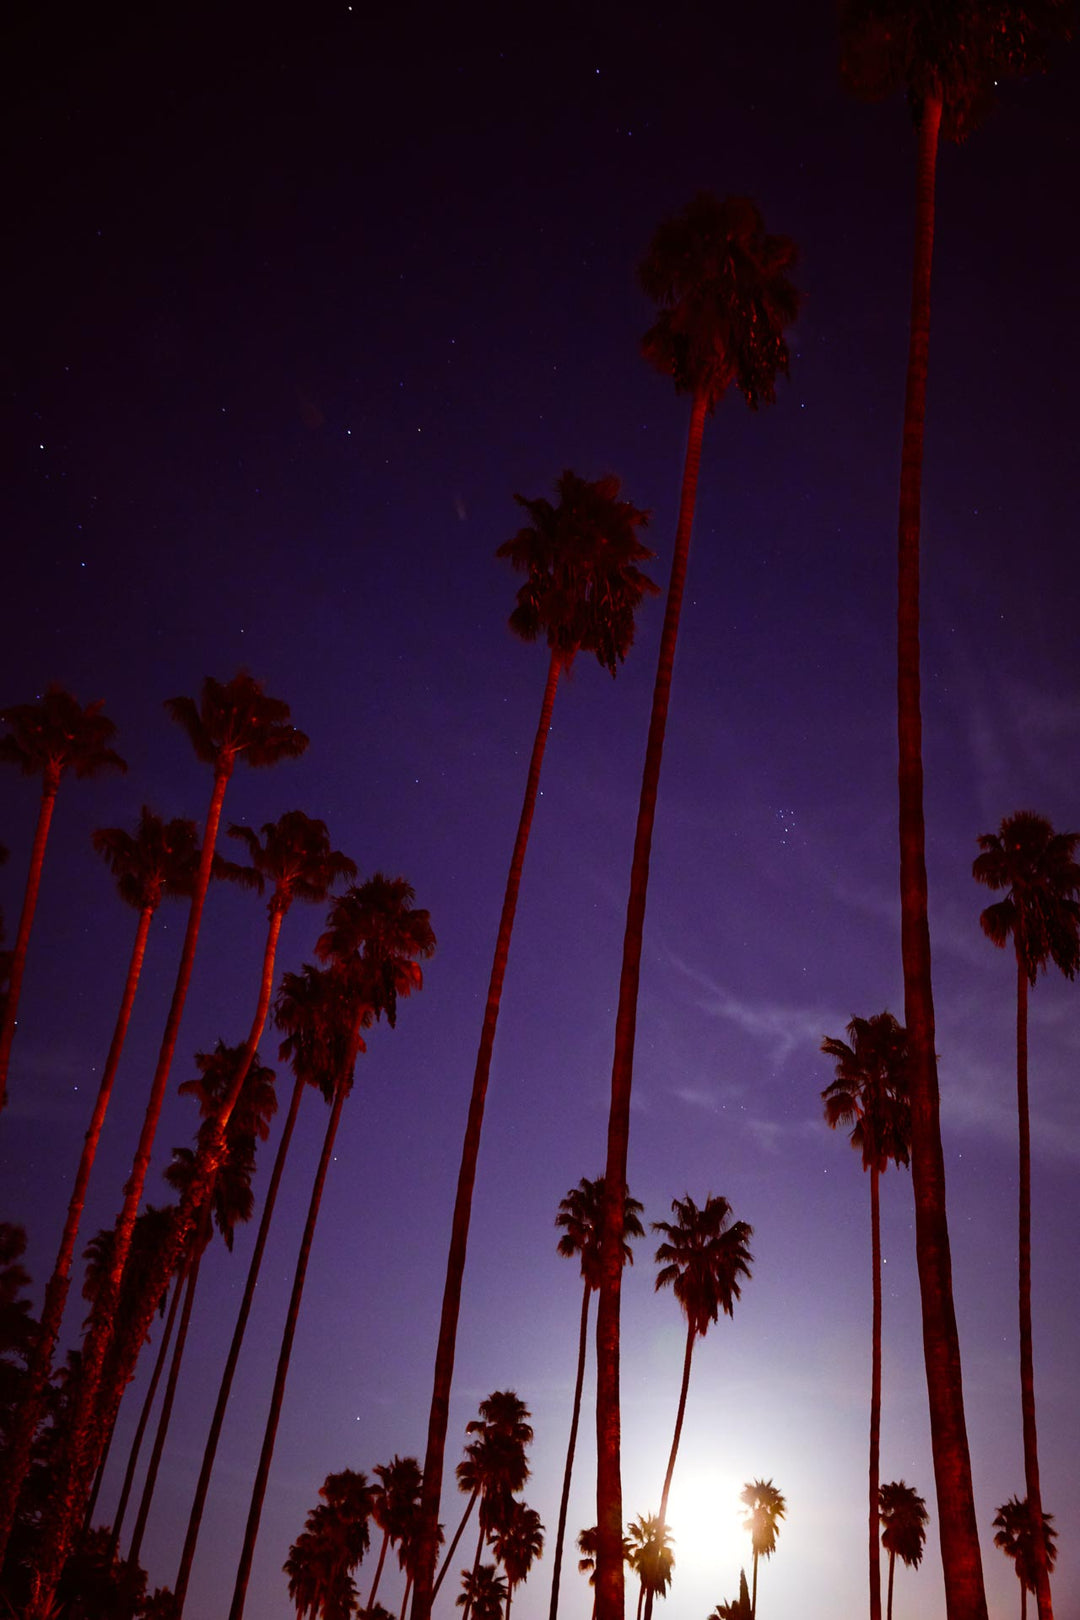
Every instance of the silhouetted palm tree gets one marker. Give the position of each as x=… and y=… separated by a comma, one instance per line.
x=871, y=1094
x=160, y=860
x=903, y=1520
x=1041, y=915
x=740, y=1609
x=766, y=1508
x=517, y=1543
x=395, y=1499
x=483, y=1592
x=47, y=738
x=494, y=1465
x=724, y=296
x=650, y=1556
x=1016, y=1538
x=331, y=1545
x=701, y=1261
x=580, y=1216
x=582, y=590
x=949, y=59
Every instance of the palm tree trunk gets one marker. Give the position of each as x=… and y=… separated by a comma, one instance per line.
x=467, y=1608
x=94, y=1405
x=187, y=1558
x=583, y=1341
x=262, y=1474
x=753, y=1599
x=640, y=1600
x=892, y=1570
x=875, y=1396
x=17, y=1460
x=609, y=1569
x=459, y=1233
x=450, y=1551
x=144, y=1415
x=680, y=1414
x=378, y=1570
x=170, y=1393
x=26, y=922
x=1043, y=1601
x=965, y=1598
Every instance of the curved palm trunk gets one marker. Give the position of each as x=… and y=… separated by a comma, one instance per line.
x=450, y=1551
x=17, y=1460
x=875, y=1402
x=965, y=1598
x=370, y=1604
x=144, y=1416
x=564, y=1500
x=195, y=1520
x=892, y=1570
x=94, y=1405
x=1039, y=1570
x=170, y=1395
x=609, y=1570
x=680, y=1414
x=262, y=1474
x=459, y=1233
x=26, y=922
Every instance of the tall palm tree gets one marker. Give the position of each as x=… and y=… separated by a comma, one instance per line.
x=650, y=1556
x=47, y=738
x=483, y=1592
x=581, y=1215
x=1041, y=915
x=740, y=1609
x=1016, y=1538
x=701, y=1261
x=725, y=298
x=159, y=860
x=494, y=1466
x=395, y=1498
x=374, y=939
x=517, y=1543
x=903, y=1533
x=234, y=722
x=871, y=1093
x=948, y=58
x=583, y=587
x=766, y=1507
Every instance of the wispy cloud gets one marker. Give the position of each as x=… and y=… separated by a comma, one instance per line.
x=782, y=1026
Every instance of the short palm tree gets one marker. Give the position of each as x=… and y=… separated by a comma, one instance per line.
x=580, y=1216
x=583, y=587
x=765, y=1508
x=724, y=298
x=395, y=1495
x=701, y=1261
x=47, y=738
x=903, y=1527
x=948, y=59
x=332, y=1544
x=1016, y=1538
x=494, y=1467
x=650, y=1557
x=517, y=1542
x=483, y=1592
x=586, y=1544
x=738, y=1609
x=1040, y=913
x=871, y=1094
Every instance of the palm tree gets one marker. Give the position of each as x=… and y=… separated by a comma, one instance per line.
x=871, y=1094
x=948, y=59
x=586, y=1543
x=232, y=722
x=903, y=1519
x=1016, y=1538
x=740, y=1609
x=725, y=298
x=582, y=589
x=483, y=1592
x=650, y=1556
x=580, y=1216
x=516, y=1543
x=701, y=1261
x=159, y=860
x=47, y=738
x=374, y=938
x=1041, y=915
x=494, y=1467
x=328, y=1549
x=394, y=1502
x=766, y=1507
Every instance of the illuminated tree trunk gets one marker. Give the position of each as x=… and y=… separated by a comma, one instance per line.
x=1027, y=1361
x=583, y=1343
x=26, y=922
x=875, y=1401
x=609, y=1515
x=450, y=1551
x=459, y=1234
x=679, y=1416
x=144, y=1415
x=965, y=1598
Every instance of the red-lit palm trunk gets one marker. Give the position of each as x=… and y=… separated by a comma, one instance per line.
x=892, y=1571
x=875, y=1403
x=679, y=1416
x=262, y=1473
x=26, y=922
x=965, y=1598
x=195, y=1520
x=1027, y=1361
x=459, y=1233
x=452, y=1549
x=609, y=1568
x=17, y=1461
x=564, y=1500
x=94, y=1406
x=144, y=1415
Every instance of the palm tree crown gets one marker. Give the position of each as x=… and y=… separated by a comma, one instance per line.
x=237, y=720
x=581, y=1216
x=1040, y=912
x=703, y=1258
x=294, y=854
x=1014, y=1536
x=56, y=734
x=903, y=1522
x=870, y=1091
x=375, y=934
x=765, y=1508
x=725, y=297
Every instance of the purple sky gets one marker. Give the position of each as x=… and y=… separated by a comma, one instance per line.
x=299, y=303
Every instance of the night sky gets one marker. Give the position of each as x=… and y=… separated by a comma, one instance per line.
x=296, y=302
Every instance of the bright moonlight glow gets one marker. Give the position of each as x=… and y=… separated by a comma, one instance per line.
x=705, y=1515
